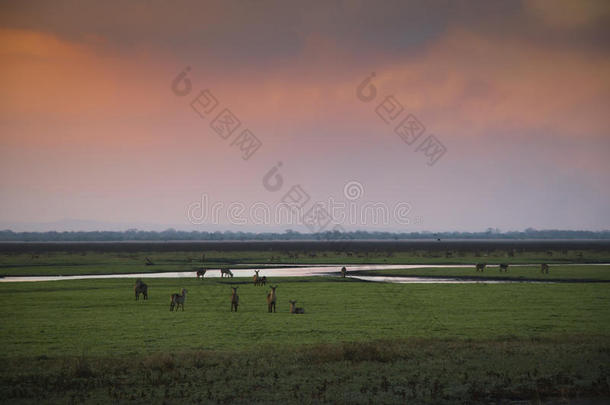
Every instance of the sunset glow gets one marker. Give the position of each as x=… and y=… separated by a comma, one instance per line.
x=517, y=92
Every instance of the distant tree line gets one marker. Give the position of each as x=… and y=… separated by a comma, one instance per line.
x=174, y=235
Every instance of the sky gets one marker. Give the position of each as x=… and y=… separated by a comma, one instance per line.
x=320, y=115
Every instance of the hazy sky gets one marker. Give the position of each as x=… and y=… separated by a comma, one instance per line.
x=516, y=92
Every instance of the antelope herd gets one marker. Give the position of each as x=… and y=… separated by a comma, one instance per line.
x=503, y=267
x=177, y=300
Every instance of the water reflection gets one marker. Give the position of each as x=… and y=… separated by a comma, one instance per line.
x=294, y=271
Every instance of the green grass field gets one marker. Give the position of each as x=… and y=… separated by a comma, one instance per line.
x=353, y=332
x=101, y=317
x=89, y=341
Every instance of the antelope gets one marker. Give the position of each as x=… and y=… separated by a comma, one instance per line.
x=343, y=271
x=226, y=272
x=544, y=268
x=149, y=262
x=481, y=267
x=263, y=280
x=177, y=300
x=234, y=299
x=503, y=267
x=201, y=273
x=142, y=288
x=256, y=278
x=294, y=309
x=271, y=298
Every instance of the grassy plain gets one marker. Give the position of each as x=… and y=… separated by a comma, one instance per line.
x=89, y=341
x=101, y=317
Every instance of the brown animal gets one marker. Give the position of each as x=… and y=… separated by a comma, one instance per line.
x=141, y=288
x=343, y=271
x=177, y=300
x=481, y=267
x=234, y=299
x=226, y=272
x=201, y=273
x=503, y=267
x=263, y=280
x=294, y=309
x=271, y=299
x=544, y=268
x=256, y=278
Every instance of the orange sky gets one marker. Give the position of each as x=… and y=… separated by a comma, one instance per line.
x=518, y=94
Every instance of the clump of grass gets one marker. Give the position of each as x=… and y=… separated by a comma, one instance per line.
x=349, y=351
x=159, y=362
x=82, y=368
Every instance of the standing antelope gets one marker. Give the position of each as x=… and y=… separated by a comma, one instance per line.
x=343, y=271
x=234, y=299
x=481, y=267
x=256, y=278
x=177, y=300
x=141, y=288
x=201, y=273
x=503, y=267
x=263, y=280
x=226, y=272
x=271, y=298
x=294, y=309
x=544, y=268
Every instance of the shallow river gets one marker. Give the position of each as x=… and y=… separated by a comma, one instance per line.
x=300, y=271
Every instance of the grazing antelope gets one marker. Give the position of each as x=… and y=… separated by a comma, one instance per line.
x=177, y=300
x=343, y=271
x=271, y=298
x=226, y=272
x=481, y=267
x=201, y=273
x=294, y=309
x=503, y=267
x=256, y=279
x=141, y=288
x=544, y=268
x=234, y=299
